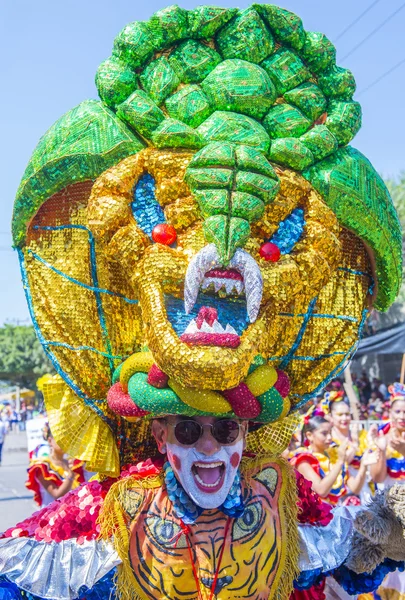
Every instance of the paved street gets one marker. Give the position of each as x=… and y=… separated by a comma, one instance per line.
x=16, y=501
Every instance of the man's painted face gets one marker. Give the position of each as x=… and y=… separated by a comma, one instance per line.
x=206, y=469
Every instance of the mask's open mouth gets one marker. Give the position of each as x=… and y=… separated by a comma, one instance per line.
x=208, y=477
x=219, y=303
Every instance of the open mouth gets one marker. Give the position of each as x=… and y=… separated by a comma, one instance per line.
x=209, y=477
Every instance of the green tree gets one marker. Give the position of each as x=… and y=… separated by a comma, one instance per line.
x=22, y=358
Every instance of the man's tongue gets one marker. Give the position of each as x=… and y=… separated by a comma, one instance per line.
x=209, y=476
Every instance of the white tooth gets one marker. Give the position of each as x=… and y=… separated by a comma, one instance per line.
x=249, y=269
x=239, y=286
x=217, y=327
x=229, y=285
x=206, y=328
x=206, y=283
x=191, y=327
x=218, y=283
x=230, y=329
x=203, y=261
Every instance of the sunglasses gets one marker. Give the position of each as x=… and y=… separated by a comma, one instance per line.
x=188, y=432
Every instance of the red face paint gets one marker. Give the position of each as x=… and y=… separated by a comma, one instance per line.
x=176, y=462
x=235, y=458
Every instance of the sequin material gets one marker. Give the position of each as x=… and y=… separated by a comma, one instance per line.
x=206, y=119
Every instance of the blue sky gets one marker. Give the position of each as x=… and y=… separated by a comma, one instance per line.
x=50, y=52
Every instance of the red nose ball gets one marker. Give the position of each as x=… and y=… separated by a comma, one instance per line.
x=164, y=234
x=270, y=251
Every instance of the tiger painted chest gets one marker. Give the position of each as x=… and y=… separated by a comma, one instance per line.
x=253, y=556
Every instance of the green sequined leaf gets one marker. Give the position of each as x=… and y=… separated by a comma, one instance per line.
x=193, y=61
x=176, y=134
x=168, y=25
x=286, y=70
x=250, y=159
x=318, y=52
x=204, y=21
x=259, y=185
x=214, y=154
x=246, y=206
x=209, y=178
x=212, y=202
x=355, y=192
x=238, y=235
x=245, y=37
x=159, y=79
x=190, y=105
x=235, y=128
x=286, y=26
x=115, y=82
x=291, y=152
x=216, y=230
x=284, y=120
x=82, y=144
x=134, y=45
x=240, y=86
x=309, y=99
x=337, y=82
x=343, y=120
x=320, y=141
x=141, y=113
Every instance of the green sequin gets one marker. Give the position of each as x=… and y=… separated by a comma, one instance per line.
x=240, y=86
x=245, y=37
x=140, y=113
x=320, y=141
x=344, y=120
x=172, y=133
x=355, y=192
x=204, y=21
x=261, y=186
x=193, y=61
x=134, y=45
x=190, y=105
x=286, y=70
x=318, y=52
x=337, y=83
x=284, y=121
x=236, y=128
x=168, y=26
x=115, y=82
x=82, y=144
x=291, y=152
x=286, y=26
x=159, y=79
x=309, y=99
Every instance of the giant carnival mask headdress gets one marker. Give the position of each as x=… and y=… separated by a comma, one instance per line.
x=202, y=240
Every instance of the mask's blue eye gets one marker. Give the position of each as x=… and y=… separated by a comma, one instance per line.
x=289, y=231
x=146, y=209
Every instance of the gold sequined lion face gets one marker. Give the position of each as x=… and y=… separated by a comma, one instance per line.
x=257, y=550
x=205, y=321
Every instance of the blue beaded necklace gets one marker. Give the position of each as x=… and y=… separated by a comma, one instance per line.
x=186, y=510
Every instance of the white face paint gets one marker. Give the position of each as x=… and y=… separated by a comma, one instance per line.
x=206, y=479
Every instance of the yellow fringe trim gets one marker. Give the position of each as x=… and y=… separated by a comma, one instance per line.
x=287, y=569
x=115, y=523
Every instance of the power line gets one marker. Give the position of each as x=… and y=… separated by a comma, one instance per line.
x=382, y=76
x=380, y=26
x=353, y=23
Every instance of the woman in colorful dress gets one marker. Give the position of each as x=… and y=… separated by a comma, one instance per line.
x=390, y=439
x=324, y=465
x=357, y=442
x=52, y=476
